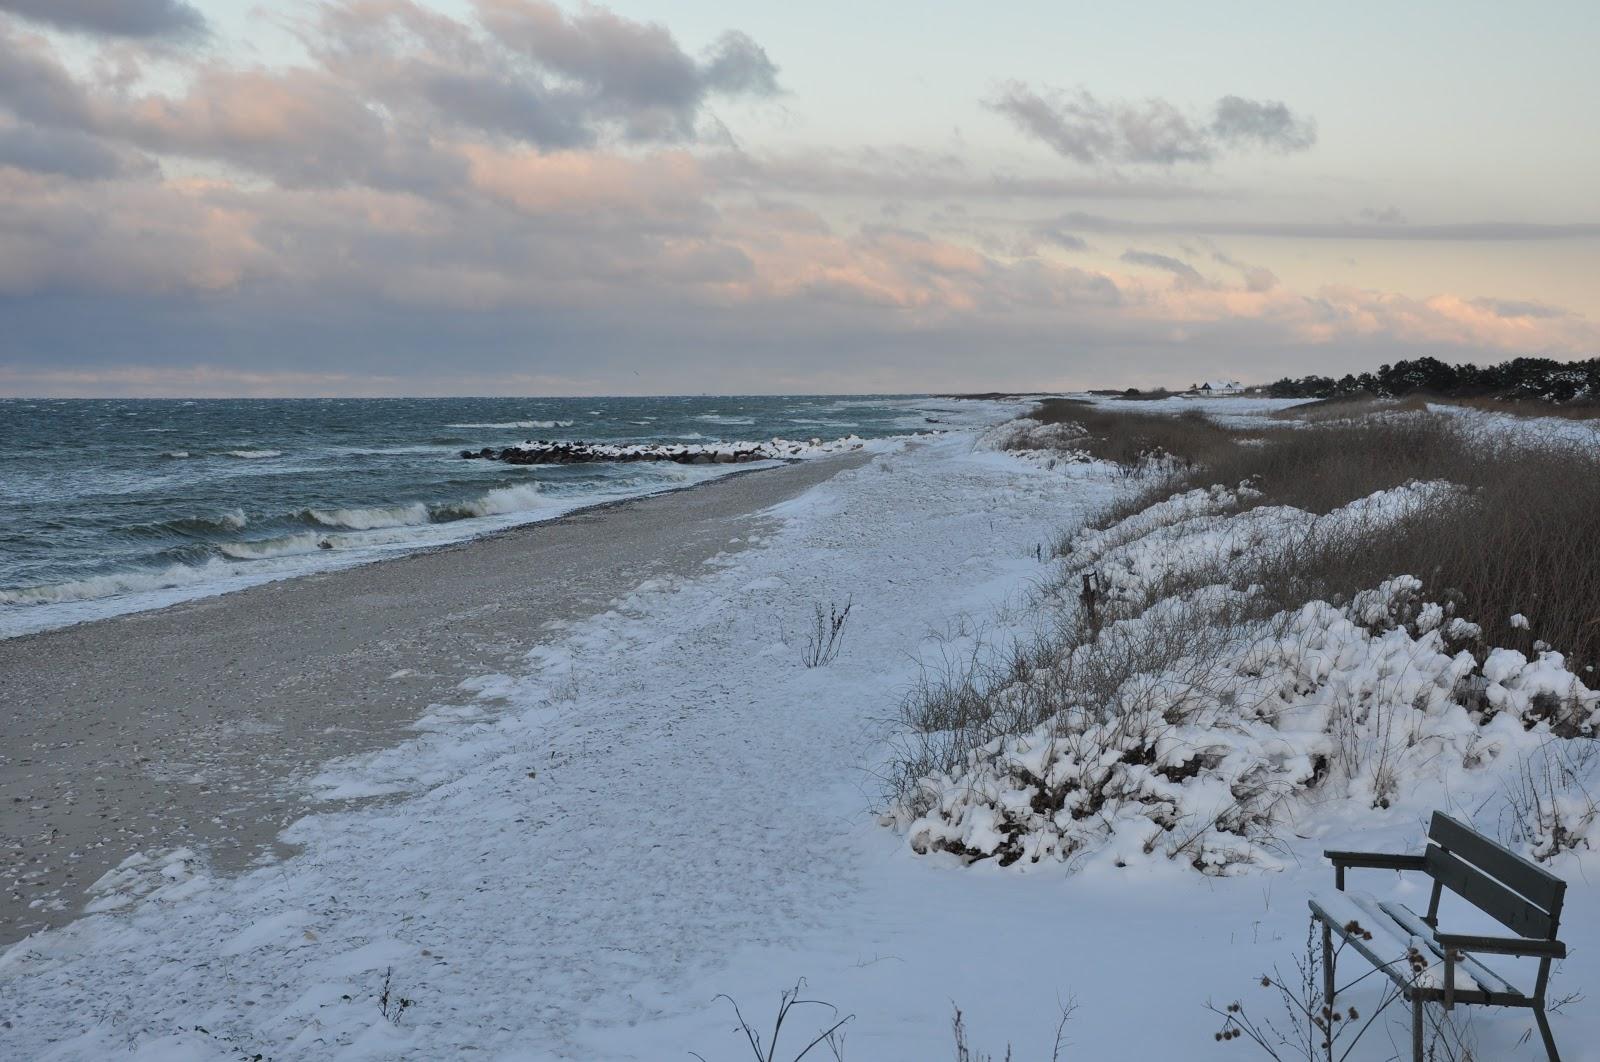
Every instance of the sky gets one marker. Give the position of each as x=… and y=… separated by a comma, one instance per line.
x=434, y=197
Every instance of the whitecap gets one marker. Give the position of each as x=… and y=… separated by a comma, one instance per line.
x=502, y=500
x=287, y=546
x=253, y=455
x=98, y=586
x=369, y=518
x=518, y=424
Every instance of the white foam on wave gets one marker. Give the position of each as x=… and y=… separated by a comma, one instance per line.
x=369, y=518
x=233, y=518
x=176, y=453
x=524, y=497
x=96, y=587
x=518, y=424
x=287, y=546
x=253, y=455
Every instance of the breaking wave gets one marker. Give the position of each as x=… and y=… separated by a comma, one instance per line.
x=518, y=424
x=287, y=546
x=369, y=518
x=98, y=586
x=253, y=455
x=502, y=500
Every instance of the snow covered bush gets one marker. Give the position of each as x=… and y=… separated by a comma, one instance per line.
x=1204, y=712
x=1549, y=801
x=1026, y=434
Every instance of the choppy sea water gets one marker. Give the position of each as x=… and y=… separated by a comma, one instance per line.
x=113, y=506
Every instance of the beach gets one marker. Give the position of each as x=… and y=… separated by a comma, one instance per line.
x=546, y=796
x=199, y=724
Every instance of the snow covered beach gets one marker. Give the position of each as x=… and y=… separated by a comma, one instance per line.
x=199, y=723
x=660, y=804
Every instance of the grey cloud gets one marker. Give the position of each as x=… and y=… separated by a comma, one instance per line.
x=1519, y=308
x=393, y=88
x=36, y=87
x=1263, y=123
x=902, y=173
x=1256, y=278
x=737, y=65
x=632, y=72
x=1081, y=126
x=514, y=108
x=1386, y=216
x=113, y=18
x=68, y=153
x=1084, y=128
x=1060, y=237
x=1474, y=230
x=1185, y=272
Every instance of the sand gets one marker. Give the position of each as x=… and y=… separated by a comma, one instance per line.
x=200, y=724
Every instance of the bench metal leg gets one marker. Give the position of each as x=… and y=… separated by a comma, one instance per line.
x=1544, y=1031
x=1416, y=1027
x=1327, y=964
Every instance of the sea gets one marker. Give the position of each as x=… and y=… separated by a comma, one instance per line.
x=114, y=506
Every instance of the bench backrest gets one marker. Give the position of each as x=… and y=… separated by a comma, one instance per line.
x=1516, y=892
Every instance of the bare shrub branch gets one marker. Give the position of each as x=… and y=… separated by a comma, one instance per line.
x=827, y=635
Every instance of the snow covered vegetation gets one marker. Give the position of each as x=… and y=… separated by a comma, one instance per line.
x=1270, y=627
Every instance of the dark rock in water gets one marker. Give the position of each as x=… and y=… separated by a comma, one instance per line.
x=543, y=452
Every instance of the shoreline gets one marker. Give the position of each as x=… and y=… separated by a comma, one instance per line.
x=199, y=723
x=180, y=594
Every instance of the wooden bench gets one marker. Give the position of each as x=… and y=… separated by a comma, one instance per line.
x=1430, y=966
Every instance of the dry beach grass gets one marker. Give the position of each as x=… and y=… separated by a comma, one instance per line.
x=1304, y=519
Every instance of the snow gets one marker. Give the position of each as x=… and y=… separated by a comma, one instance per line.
x=1560, y=431
x=663, y=805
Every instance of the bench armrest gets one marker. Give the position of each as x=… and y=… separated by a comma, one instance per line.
x=1552, y=949
x=1378, y=860
x=1389, y=860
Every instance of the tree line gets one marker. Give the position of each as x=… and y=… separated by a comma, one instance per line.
x=1542, y=379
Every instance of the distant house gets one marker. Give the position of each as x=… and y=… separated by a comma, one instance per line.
x=1220, y=387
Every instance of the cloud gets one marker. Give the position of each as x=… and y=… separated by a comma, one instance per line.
x=545, y=76
x=531, y=189
x=1344, y=230
x=68, y=153
x=914, y=174
x=1389, y=215
x=1266, y=124
x=34, y=85
x=1256, y=278
x=737, y=65
x=1514, y=308
x=1083, y=127
x=113, y=18
x=1183, y=271
x=1060, y=237
x=392, y=88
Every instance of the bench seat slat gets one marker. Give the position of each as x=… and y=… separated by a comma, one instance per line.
x=1390, y=941
x=1412, y=922
x=1395, y=928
